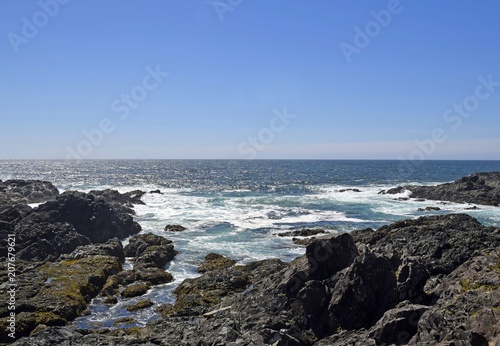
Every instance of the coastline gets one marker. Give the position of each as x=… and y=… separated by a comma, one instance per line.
x=411, y=273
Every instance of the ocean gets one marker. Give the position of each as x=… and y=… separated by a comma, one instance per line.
x=236, y=207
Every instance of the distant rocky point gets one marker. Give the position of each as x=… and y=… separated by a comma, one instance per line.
x=477, y=188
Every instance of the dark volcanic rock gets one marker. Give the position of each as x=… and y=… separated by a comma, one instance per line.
x=353, y=190
x=362, y=293
x=398, y=325
x=150, y=250
x=46, y=241
x=467, y=311
x=306, y=232
x=441, y=242
x=91, y=216
x=27, y=191
x=112, y=247
x=434, y=279
x=327, y=256
x=429, y=209
x=477, y=188
x=175, y=228
x=121, y=201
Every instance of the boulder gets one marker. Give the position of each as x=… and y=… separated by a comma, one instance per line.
x=175, y=228
x=150, y=250
x=215, y=261
x=91, y=216
x=362, y=293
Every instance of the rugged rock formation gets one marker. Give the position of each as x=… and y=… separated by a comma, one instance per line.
x=112, y=247
x=425, y=281
x=52, y=294
x=477, y=188
x=91, y=216
x=26, y=191
x=151, y=252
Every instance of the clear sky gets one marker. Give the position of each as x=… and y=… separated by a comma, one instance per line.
x=250, y=79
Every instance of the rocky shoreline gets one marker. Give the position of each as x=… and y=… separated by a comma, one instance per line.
x=432, y=280
x=477, y=188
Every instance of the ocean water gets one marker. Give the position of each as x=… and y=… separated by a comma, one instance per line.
x=236, y=207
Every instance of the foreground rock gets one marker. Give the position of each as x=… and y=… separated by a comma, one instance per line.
x=425, y=281
x=151, y=252
x=51, y=294
x=477, y=188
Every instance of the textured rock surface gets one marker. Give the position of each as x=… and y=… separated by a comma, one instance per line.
x=215, y=261
x=433, y=280
x=54, y=293
x=477, y=188
x=26, y=191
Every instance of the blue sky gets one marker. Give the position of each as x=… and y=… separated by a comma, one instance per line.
x=233, y=65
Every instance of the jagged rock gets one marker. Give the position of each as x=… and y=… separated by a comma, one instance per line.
x=398, y=325
x=175, y=228
x=157, y=191
x=393, y=191
x=215, y=261
x=93, y=217
x=27, y=191
x=46, y=241
x=362, y=293
x=328, y=256
x=124, y=202
x=55, y=293
x=139, y=243
x=441, y=242
x=112, y=247
x=316, y=297
x=199, y=294
x=412, y=276
x=477, y=188
x=467, y=310
x=150, y=250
